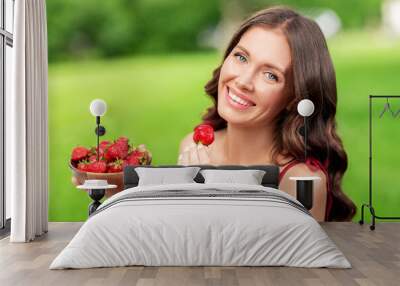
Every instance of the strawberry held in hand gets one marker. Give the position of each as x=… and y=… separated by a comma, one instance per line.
x=203, y=133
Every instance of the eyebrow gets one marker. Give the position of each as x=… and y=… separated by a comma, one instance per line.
x=266, y=64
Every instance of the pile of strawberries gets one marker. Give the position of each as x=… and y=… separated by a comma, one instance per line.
x=113, y=156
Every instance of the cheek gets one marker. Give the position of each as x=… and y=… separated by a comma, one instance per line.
x=272, y=97
x=226, y=74
x=229, y=70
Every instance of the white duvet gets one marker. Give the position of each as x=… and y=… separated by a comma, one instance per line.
x=190, y=230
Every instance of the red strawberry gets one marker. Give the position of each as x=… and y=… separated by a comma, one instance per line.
x=93, y=158
x=134, y=158
x=203, y=133
x=196, y=137
x=104, y=143
x=83, y=166
x=115, y=167
x=115, y=151
x=79, y=153
x=131, y=160
x=97, y=167
x=138, y=154
x=123, y=140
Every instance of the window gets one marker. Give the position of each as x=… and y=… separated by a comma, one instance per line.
x=6, y=44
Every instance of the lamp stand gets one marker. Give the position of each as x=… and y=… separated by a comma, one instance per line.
x=98, y=137
x=305, y=139
x=100, y=131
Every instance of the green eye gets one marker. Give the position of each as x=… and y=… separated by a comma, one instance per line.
x=240, y=57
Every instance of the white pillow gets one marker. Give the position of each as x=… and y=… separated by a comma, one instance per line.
x=161, y=176
x=248, y=177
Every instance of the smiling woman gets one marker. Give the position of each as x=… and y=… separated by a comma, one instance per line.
x=275, y=59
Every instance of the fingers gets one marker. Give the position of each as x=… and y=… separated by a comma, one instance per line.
x=186, y=157
x=183, y=158
x=194, y=155
x=203, y=154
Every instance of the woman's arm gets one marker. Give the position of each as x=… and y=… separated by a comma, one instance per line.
x=320, y=189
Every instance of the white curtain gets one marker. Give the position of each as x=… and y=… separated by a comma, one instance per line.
x=27, y=124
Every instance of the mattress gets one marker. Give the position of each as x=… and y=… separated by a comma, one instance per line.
x=201, y=225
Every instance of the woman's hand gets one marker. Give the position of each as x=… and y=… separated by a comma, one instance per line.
x=195, y=154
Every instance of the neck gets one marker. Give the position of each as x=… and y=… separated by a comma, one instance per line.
x=248, y=145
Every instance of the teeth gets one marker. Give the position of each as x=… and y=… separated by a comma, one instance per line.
x=237, y=99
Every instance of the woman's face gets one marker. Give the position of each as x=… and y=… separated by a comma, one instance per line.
x=253, y=78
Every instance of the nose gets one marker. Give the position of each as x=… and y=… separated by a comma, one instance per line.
x=244, y=81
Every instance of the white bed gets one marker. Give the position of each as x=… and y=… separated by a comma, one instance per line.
x=201, y=224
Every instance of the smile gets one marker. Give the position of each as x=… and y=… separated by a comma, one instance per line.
x=237, y=101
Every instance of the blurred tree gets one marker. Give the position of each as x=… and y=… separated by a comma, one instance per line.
x=79, y=28
x=111, y=28
x=354, y=14
x=174, y=25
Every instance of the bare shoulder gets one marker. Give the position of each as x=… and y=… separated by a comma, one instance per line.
x=185, y=142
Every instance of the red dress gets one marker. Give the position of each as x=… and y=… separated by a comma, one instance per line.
x=314, y=165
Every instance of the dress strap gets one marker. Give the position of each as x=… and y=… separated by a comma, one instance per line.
x=287, y=167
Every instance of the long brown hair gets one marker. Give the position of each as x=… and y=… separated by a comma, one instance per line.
x=312, y=77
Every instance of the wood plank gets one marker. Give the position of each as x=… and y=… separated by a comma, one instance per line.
x=374, y=255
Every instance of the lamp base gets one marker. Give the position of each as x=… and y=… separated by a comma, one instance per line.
x=96, y=195
x=304, y=193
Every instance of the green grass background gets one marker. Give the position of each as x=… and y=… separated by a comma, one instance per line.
x=156, y=100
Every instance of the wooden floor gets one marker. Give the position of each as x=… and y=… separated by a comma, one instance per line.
x=374, y=255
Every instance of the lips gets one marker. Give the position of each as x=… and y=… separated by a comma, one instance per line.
x=238, y=100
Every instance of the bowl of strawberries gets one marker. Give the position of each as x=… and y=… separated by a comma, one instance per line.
x=107, y=163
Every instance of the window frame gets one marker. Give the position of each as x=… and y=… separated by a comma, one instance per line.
x=6, y=39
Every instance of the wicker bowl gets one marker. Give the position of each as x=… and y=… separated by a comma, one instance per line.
x=79, y=177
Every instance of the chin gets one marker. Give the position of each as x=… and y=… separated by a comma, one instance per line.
x=231, y=117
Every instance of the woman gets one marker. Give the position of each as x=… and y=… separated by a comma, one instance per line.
x=275, y=59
